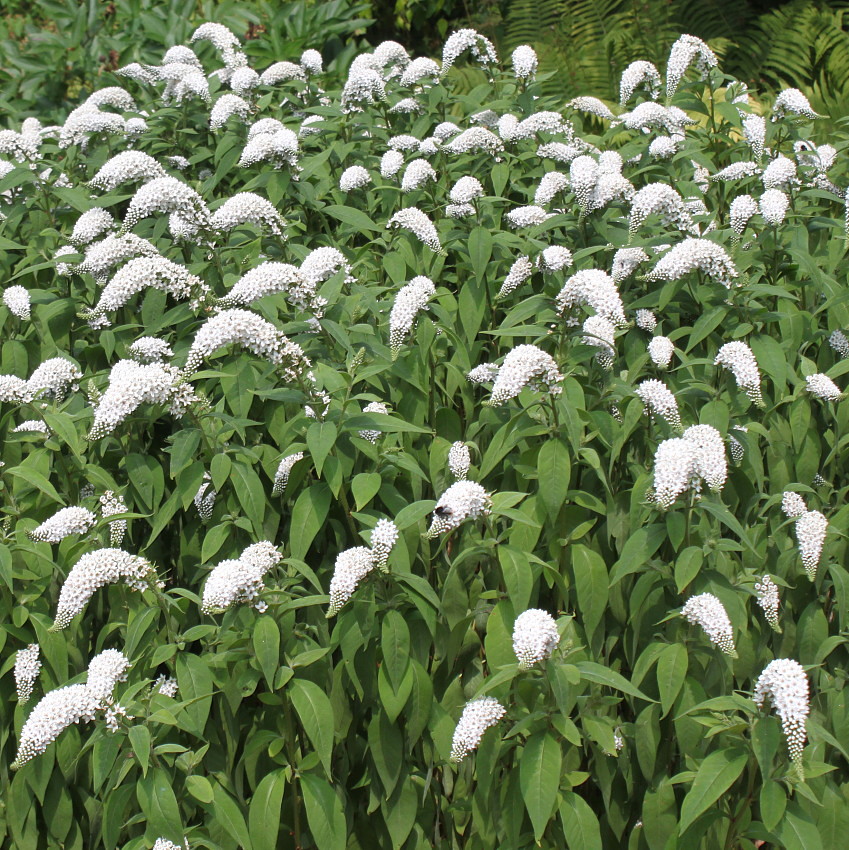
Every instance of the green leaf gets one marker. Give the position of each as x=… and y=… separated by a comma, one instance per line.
x=321, y=437
x=159, y=804
x=364, y=488
x=195, y=683
x=553, y=471
x=590, y=584
x=539, y=778
x=580, y=824
x=671, y=671
x=603, y=676
x=140, y=741
x=200, y=788
x=395, y=644
x=266, y=642
x=251, y=495
x=308, y=516
x=324, y=813
x=641, y=545
x=716, y=774
x=356, y=218
x=480, y=250
x=316, y=715
x=265, y=809
x=797, y=831
x=228, y=814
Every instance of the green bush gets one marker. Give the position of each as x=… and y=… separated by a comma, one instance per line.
x=451, y=335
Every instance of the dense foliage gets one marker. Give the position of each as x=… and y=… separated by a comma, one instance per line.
x=388, y=466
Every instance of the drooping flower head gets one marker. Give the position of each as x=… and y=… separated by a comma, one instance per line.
x=525, y=62
x=461, y=501
x=696, y=255
x=660, y=350
x=525, y=366
x=240, y=580
x=481, y=48
x=459, y=460
x=111, y=504
x=767, y=597
x=785, y=683
x=281, y=477
x=659, y=401
x=706, y=610
x=384, y=536
x=823, y=387
x=67, y=521
x=409, y=302
x=686, y=49
x=417, y=223
x=478, y=715
x=27, y=668
x=793, y=504
x=738, y=357
x=535, y=637
x=811, y=528
x=17, y=301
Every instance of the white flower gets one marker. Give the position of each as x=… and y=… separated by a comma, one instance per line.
x=526, y=216
x=409, y=302
x=646, y=320
x=742, y=208
x=321, y=263
x=126, y=167
x=281, y=72
x=664, y=147
x=674, y=471
x=63, y=523
x=640, y=73
x=736, y=171
x=811, y=528
x=27, y=668
x=535, y=637
x=484, y=374
x=406, y=106
x=767, y=597
x=148, y=349
x=551, y=184
x=351, y=567
x=773, y=206
x=234, y=581
x=373, y=407
x=649, y=115
x=695, y=255
x=419, y=225
x=247, y=207
x=311, y=61
x=839, y=342
x=204, y=499
x=384, y=536
x=416, y=175
x=281, y=477
x=785, y=683
x=520, y=271
x=555, y=258
x=280, y=148
x=17, y=300
x=166, y=194
x=390, y=164
x=461, y=501
x=95, y=570
x=250, y=331
x=466, y=190
x=684, y=51
x=363, y=86
x=738, y=357
x=35, y=425
x=793, y=504
x=111, y=504
x=625, y=261
x=794, y=102
x=404, y=142
x=477, y=717
x=595, y=289
x=54, y=378
x=780, y=174
x=525, y=366
x=599, y=332
x=706, y=610
x=593, y=106
x=166, y=686
x=419, y=69
x=583, y=176
x=524, y=61
x=754, y=130
x=658, y=400
x=354, y=177
x=473, y=140
x=710, y=463
x=458, y=42
x=459, y=460
x=459, y=210
x=101, y=257
x=90, y=225
x=823, y=387
x=308, y=127
x=659, y=199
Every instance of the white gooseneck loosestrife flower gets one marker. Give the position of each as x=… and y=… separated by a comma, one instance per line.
x=524, y=366
x=241, y=580
x=659, y=401
x=696, y=255
x=785, y=683
x=478, y=715
x=739, y=358
x=811, y=528
x=823, y=387
x=461, y=501
x=525, y=62
x=767, y=597
x=17, y=301
x=686, y=49
x=459, y=460
x=706, y=610
x=111, y=504
x=27, y=668
x=63, y=523
x=281, y=477
x=417, y=223
x=409, y=302
x=535, y=637
x=793, y=504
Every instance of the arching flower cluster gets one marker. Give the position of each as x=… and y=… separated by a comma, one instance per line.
x=708, y=612
x=240, y=580
x=67, y=521
x=535, y=637
x=681, y=464
x=478, y=716
x=785, y=684
x=525, y=366
x=461, y=501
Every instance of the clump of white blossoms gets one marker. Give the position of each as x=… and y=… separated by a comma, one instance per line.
x=165, y=685
x=353, y=565
x=416, y=175
x=662, y=200
x=659, y=401
x=839, y=342
x=27, y=668
x=766, y=591
x=526, y=216
x=63, y=523
x=793, y=504
x=61, y=708
x=35, y=425
x=738, y=357
x=793, y=102
x=90, y=225
x=95, y=570
x=111, y=504
x=706, y=610
x=646, y=320
x=710, y=462
x=459, y=460
x=279, y=148
x=54, y=378
x=595, y=289
x=461, y=501
x=417, y=223
x=599, y=333
x=696, y=255
x=148, y=349
x=811, y=528
x=525, y=366
x=240, y=580
x=478, y=715
x=247, y=330
x=459, y=42
x=680, y=465
x=354, y=177
x=12, y=389
x=685, y=50
x=390, y=164
x=555, y=258
x=625, y=261
x=247, y=208
x=639, y=73
x=785, y=683
x=17, y=301
x=520, y=271
x=476, y=139
x=373, y=407
x=101, y=257
x=409, y=302
x=167, y=195
x=660, y=350
x=281, y=477
x=742, y=208
x=204, y=499
x=823, y=387
x=525, y=62
x=535, y=637
x=773, y=206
